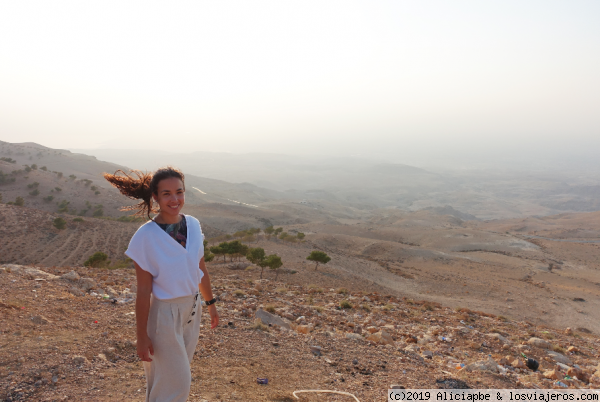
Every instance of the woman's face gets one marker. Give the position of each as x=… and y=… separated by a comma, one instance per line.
x=170, y=196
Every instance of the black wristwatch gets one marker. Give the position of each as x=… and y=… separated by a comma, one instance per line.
x=213, y=301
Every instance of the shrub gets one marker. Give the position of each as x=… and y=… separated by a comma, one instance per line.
x=319, y=309
x=34, y=193
x=98, y=212
x=33, y=185
x=239, y=293
x=96, y=260
x=258, y=325
x=365, y=307
x=58, y=188
x=59, y=223
x=77, y=220
x=270, y=308
x=96, y=192
x=48, y=198
x=19, y=201
x=44, y=168
x=342, y=291
x=345, y=304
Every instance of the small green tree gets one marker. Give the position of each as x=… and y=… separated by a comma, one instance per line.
x=19, y=201
x=274, y=262
x=300, y=236
x=34, y=193
x=269, y=232
x=208, y=256
x=257, y=256
x=277, y=232
x=318, y=257
x=44, y=168
x=221, y=249
x=60, y=223
x=96, y=260
x=48, y=198
x=34, y=166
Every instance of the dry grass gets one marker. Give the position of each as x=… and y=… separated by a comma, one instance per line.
x=239, y=293
x=342, y=291
x=345, y=304
x=259, y=326
x=270, y=308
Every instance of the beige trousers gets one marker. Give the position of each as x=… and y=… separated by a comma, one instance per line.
x=173, y=327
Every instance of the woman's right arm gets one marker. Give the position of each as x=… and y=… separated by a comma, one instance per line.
x=142, y=309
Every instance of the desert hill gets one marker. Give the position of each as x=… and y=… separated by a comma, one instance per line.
x=53, y=180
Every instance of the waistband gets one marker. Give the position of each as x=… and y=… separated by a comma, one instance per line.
x=182, y=299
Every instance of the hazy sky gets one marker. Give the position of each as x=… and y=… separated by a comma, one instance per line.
x=356, y=77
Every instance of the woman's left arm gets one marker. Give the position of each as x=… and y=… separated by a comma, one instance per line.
x=207, y=294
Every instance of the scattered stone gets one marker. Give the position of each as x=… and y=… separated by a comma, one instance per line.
x=34, y=273
x=428, y=354
x=316, y=350
x=80, y=360
x=302, y=329
x=40, y=320
x=572, y=349
x=109, y=353
x=76, y=291
x=102, y=357
x=272, y=319
x=371, y=330
x=355, y=361
x=540, y=343
x=568, y=331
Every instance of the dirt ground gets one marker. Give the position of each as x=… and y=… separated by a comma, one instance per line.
x=59, y=341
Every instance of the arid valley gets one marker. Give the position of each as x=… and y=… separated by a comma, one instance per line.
x=438, y=273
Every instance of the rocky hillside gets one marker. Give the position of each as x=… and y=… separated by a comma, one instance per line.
x=298, y=337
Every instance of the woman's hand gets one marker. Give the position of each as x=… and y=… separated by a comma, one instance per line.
x=144, y=348
x=214, y=316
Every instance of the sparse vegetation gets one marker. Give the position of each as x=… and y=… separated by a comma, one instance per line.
x=342, y=291
x=270, y=308
x=300, y=236
x=77, y=220
x=48, y=198
x=44, y=168
x=259, y=326
x=19, y=201
x=345, y=304
x=9, y=160
x=97, y=260
x=239, y=293
x=59, y=223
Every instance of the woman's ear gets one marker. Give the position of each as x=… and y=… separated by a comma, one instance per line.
x=155, y=197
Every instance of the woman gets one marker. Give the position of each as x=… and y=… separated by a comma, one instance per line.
x=168, y=254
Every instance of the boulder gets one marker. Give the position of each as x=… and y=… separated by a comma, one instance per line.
x=87, y=283
x=371, y=329
x=483, y=365
x=572, y=349
x=40, y=320
x=579, y=373
x=70, y=276
x=498, y=337
x=518, y=363
x=302, y=329
x=76, y=291
x=382, y=337
x=272, y=319
x=353, y=336
x=34, y=273
x=539, y=343
x=560, y=358
x=551, y=375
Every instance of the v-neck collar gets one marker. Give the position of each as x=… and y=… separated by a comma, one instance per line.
x=156, y=225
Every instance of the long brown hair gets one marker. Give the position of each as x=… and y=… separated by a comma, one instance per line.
x=141, y=185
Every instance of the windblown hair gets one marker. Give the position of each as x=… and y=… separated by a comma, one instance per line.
x=140, y=186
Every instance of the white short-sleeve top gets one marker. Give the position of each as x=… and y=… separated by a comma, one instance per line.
x=175, y=270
